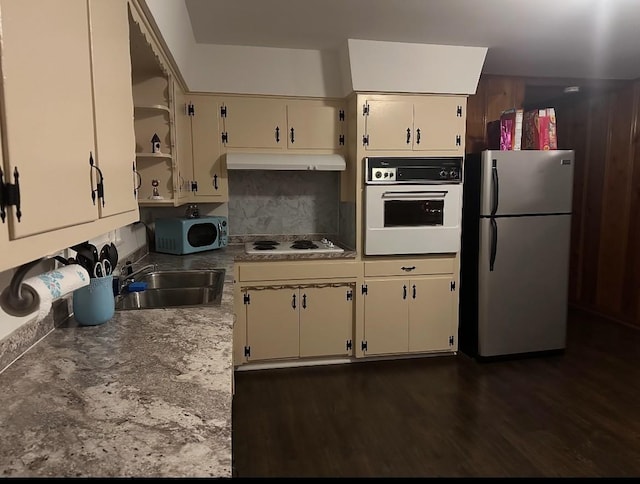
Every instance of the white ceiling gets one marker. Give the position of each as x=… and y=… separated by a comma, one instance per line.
x=547, y=38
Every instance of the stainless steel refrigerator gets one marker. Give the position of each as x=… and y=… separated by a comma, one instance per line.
x=516, y=225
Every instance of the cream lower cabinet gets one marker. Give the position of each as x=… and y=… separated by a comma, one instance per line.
x=67, y=124
x=410, y=314
x=289, y=310
x=293, y=322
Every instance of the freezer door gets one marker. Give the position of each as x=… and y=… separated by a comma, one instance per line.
x=526, y=182
x=523, y=274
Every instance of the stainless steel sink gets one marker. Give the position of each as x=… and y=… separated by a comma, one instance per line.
x=173, y=279
x=169, y=289
x=170, y=298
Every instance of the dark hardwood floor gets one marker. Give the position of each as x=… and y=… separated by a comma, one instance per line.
x=575, y=414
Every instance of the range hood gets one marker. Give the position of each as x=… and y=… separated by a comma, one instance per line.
x=284, y=161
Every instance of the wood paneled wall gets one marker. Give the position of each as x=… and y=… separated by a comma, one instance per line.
x=605, y=236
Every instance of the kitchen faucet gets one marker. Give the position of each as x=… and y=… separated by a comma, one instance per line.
x=128, y=275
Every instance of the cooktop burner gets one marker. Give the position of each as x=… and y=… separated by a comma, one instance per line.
x=265, y=242
x=293, y=247
x=304, y=244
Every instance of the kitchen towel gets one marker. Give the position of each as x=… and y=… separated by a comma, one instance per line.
x=55, y=284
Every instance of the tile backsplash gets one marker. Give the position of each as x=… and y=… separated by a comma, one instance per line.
x=283, y=202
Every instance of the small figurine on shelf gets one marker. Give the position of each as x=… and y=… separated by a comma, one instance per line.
x=156, y=193
x=155, y=143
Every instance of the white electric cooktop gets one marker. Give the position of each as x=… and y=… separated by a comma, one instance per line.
x=265, y=246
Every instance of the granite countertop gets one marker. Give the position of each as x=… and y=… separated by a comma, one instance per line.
x=147, y=394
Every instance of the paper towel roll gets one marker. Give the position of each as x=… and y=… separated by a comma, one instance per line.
x=57, y=283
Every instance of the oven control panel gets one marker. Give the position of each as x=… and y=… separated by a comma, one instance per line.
x=383, y=174
x=424, y=170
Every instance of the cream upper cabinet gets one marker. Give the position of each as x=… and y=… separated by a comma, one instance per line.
x=253, y=123
x=67, y=120
x=388, y=125
x=184, y=146
x=439, y=124
x=281, y=123
x=315, y=125
x=415, y=123
x=48, y=135
x=113, y=105
x=209, y=169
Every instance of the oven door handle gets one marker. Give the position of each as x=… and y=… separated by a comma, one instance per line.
x=415, y=194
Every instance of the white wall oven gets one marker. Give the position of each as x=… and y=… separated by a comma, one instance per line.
x=412, y=205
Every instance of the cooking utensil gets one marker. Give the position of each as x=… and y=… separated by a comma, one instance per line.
x=104, y=253
x=113, y=255
x=86, y=262
x=102, y=268
x=94, y=252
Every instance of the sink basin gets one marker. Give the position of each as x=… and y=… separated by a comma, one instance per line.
x=170, y=298
x=170, y=289
x=173, y=279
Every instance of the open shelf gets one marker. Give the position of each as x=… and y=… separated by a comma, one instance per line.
x=152, y=107
x=166, y=156
x=145, y=202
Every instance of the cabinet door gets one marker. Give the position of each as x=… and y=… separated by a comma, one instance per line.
x=113, y=104
x=4, y=228
x=272, y=323
x=431, y=314
x=48, y=112
x=386, y=312
x=209, y=170
x=439, y=124
x=253, y=123
x=184, y=147
x=326, y=321
x=316, y=125
x=389, y=125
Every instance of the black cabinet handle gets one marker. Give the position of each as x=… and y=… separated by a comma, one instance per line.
x=414, y=291
x=292, y=138
x=10, y=194
x=404, y=292
x=99, y=190
x=139, y=180
x=293, y=302
x=418, y=136
x=277, y=134
x=215, y=181
x=408, y=269
x=408, y=135
x=304, y=301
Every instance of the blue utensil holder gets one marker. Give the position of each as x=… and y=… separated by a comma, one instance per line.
x=94, y=304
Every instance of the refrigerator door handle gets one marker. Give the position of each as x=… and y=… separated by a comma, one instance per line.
x=494, y=187
x=494, y=244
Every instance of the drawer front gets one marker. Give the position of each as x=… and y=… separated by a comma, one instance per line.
x=409, y=267
x=274, y=271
